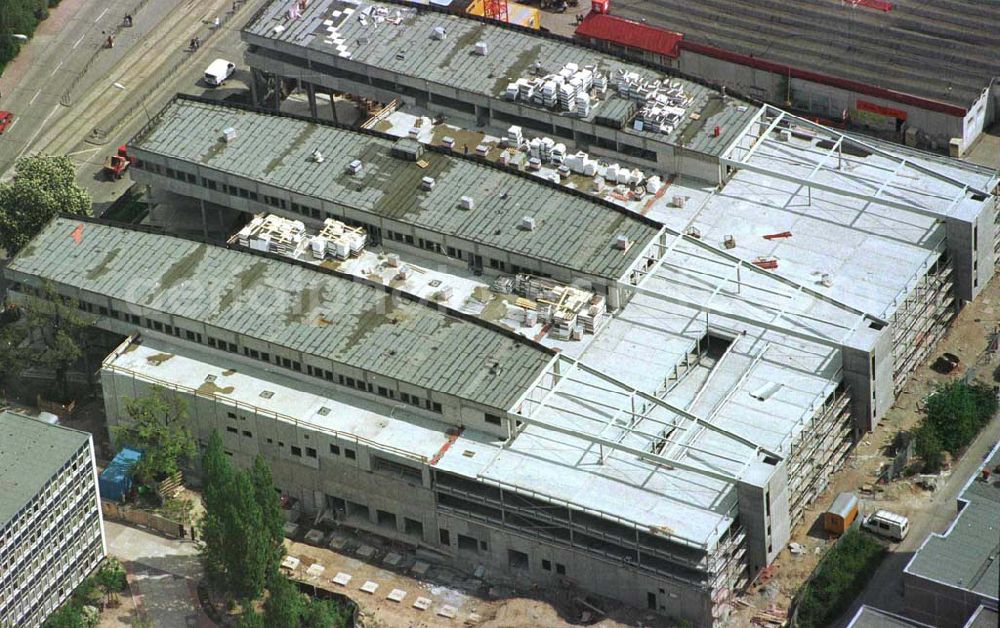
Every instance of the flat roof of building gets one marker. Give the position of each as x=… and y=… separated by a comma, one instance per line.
x=940, y=51
x=871, y=617
x=334, y=27
x=304, y=308
x=31, y=452
x=966, y=555
x=237, y=380
x=276, y=150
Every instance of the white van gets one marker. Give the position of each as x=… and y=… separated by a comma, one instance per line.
x=218, y=71
x=887, y=524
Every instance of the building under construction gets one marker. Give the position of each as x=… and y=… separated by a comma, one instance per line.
x=431, y=384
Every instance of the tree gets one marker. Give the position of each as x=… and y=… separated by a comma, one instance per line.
x=250, y=619
x=270, y=505
x=285, y=604
x=216, y=473
x=43, y=186
x=111, y=578
x=52, y=333
x=240, y=552
x=158, y=427
x=324, y=614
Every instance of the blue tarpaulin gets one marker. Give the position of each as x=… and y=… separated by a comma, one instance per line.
x=116, y=480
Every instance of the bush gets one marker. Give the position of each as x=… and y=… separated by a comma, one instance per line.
x=838, y=579
x=954, y=415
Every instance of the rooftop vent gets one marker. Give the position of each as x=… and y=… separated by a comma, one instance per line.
x=621, y=242
x=408, y=149
x=528, y=223
x=317, y=156
x=467, y=202
x=482, y=49
x=826, y=280
x=323, y=411
x=266, y=394
x=427, y=183
x=355, y=167
x=438, y=33
x=766, y=391
x=447, y=141
x=228, y=134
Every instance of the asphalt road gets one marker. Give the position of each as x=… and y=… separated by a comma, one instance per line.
x=885, y=589
x=88, y=100
x=65, y=58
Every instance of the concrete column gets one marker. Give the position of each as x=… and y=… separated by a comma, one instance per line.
x=311, y=92
x=204, y=219
x=277, y=93
x=333, y=108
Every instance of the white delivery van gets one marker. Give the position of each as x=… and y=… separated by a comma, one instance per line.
x=218, y=71
x=887, y=524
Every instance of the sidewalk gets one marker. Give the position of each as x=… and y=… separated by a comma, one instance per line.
x=163, y=575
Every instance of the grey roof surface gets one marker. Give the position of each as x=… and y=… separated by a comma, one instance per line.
x=302, y=308
x=945, y=50
x=408, y=49
x=570, y=231
x=983, y=618
x=31, y=452
x=870, y=617
x=966, y=555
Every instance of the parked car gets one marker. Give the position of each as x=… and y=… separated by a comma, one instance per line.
x=6, y=119
x=218, y=72
x=887, y=524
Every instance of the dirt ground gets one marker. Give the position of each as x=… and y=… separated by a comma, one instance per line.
x=967, y=338
x=473, y=601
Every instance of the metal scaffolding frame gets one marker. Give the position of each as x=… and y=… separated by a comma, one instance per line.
x=739, y=157
x=638, y=407
x=781, y=321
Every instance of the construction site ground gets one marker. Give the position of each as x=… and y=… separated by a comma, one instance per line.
x=967, y=338
x=452, y=597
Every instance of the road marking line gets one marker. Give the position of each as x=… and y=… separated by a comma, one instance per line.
x=80, y=152
x=102, y=14
x=56, y=69
x=32, y=101
x=78, y=41
x=12, y=125
x=40, y=127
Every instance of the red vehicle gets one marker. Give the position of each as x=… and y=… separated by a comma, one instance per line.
x=117, y=164
x=6, y=119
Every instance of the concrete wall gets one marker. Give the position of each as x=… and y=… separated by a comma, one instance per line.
x=938, y=604
x=868, y=371
x=970, y=231
x=311, y=480
x=764, y=511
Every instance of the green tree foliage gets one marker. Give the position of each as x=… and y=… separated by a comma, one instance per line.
x=285, y=604
x=158, y=428
x=954, y=415
x=216, y=476
x=270, y=506
x=241, y=551
x=250, y=619
x=51, y=334
x=73, y=613
x=43, y=186
x=111, y=578
x=839, y=577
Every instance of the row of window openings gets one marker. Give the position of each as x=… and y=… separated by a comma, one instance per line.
x=264, y=356
x=295, y=449
x=516, y=559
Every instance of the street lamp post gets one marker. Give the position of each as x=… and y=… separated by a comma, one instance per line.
x=142, y=102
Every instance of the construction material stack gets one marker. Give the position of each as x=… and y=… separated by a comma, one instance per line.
x=273, y=234
x=338, y=240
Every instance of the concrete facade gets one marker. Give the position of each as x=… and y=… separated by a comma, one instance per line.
x=52, y=534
